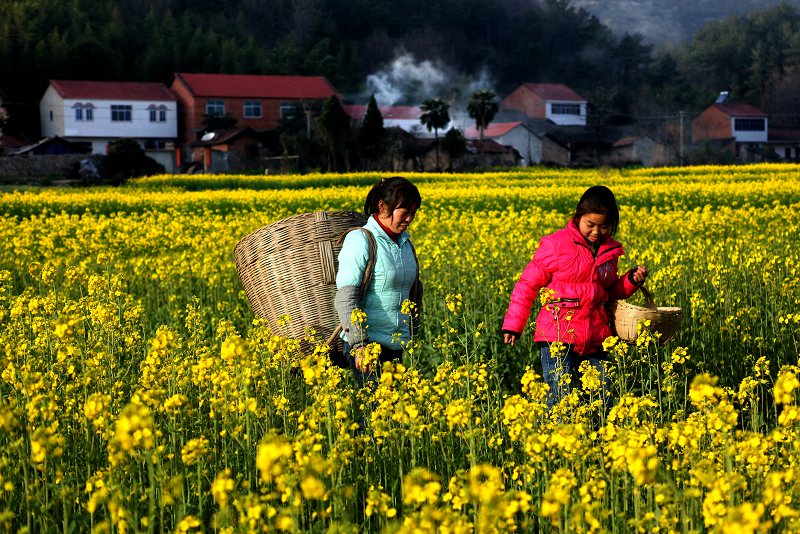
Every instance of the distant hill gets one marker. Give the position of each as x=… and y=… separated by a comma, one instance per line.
x=672, y=21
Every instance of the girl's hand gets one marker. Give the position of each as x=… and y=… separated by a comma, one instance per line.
x=640, y=275
x=509, y=339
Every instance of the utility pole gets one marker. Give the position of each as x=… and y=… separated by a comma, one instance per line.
x=680, y=114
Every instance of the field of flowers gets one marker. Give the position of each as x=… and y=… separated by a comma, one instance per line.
x=138, y=393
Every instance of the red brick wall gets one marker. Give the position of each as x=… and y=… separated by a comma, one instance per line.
x=712, y=124
x=192, y=111
x=526, y=101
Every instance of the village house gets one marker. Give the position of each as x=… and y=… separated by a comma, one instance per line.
x=93, y=114
x=739, y=128
x=254, y=101
x=407, y=118
x=552, y=101
x=513, y=134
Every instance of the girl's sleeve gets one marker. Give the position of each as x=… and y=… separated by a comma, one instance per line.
x=535, y=276
x=353, y=260
x=623, y=287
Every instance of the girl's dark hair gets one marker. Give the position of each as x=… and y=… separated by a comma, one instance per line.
x=598, y=199
x=396, y=192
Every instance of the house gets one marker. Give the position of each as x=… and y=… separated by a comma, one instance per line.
x=785, y=144
x=52, y=146
x=236, y=149
x=747, y=125
x=254, y=101
x=95, y=113
x=9, y=143
x=637, y=150
x=514, y=134
x=406, y=118
x=551, y=101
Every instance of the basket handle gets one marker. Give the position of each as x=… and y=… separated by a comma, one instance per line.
x=648, y=298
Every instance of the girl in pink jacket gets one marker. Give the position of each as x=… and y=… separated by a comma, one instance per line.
x=578, y=267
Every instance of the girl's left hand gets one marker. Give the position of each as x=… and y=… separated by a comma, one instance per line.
x=640, y=275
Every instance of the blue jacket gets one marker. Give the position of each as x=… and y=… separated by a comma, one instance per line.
x=394, y=274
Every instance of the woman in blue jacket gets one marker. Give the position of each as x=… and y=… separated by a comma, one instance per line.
x=391, y=205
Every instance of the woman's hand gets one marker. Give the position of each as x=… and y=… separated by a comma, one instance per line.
x=358, y=357
x=639, y=275
x=509, y=339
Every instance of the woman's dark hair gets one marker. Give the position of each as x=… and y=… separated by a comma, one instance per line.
x=396, y=192
x=598, y=199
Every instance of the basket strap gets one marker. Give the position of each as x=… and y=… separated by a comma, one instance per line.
x=648, y=298
x=369, y=269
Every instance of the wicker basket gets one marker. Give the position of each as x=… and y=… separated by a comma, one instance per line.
x=624, y=318
x=289, y=268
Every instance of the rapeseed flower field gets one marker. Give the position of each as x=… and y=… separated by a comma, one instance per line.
x=139, y=394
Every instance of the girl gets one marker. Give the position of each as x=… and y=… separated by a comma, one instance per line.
x=578, y=267
x=391, y=204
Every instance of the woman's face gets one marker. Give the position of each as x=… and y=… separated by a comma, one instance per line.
x=396, y=220
x=594, y=228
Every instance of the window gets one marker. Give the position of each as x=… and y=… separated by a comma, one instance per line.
x=51, y=115
x=749, y=125
x=157, y=113
x=121, y=113
x=215, y=108
x=252, y=109
x=288, y=110
x=566, y=109
x=84, y=112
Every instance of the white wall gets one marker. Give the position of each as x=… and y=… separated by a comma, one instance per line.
x=51, y=102
x=750, y=136
x=526, y=142
x=566, y=120
x=140, y=126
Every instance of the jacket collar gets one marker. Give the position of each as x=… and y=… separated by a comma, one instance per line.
x=609, y=246
x=373, y=226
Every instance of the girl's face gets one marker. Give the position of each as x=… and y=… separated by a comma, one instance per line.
x=398, y=219
x=594, y=228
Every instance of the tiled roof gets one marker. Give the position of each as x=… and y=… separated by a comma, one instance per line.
x=555, y=91
x=493, y=130
x=741, y=110
x=256, y=86
x=80, y=89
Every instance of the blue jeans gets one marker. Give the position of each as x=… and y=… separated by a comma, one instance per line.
x=567, y=363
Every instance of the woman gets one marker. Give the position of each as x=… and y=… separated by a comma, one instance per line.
x=391, y=205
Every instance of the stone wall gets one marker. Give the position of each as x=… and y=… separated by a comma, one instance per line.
x=53, y=166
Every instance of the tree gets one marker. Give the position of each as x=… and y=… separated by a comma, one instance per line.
x=333, y=125
x=482, y=107
x=454, y=146
x=371, y=136
x=435, y=116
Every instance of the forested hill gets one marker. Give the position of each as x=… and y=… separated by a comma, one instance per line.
x=504, y=41
x=671, y=22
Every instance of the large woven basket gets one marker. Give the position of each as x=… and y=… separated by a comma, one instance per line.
x=624, y=318
x=289, y=268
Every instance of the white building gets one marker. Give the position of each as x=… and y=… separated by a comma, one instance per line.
x=96, y=113
x=551, y=101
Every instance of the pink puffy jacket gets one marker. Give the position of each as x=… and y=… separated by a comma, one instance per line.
x=575, y=313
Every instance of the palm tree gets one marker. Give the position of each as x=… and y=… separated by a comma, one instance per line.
x=482, y=107
x=435, y=116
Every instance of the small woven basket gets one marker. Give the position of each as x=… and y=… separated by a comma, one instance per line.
x=289, y=268
x=624, y=318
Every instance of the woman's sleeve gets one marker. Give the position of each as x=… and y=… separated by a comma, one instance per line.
x=535, y=276
x=353, y=260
